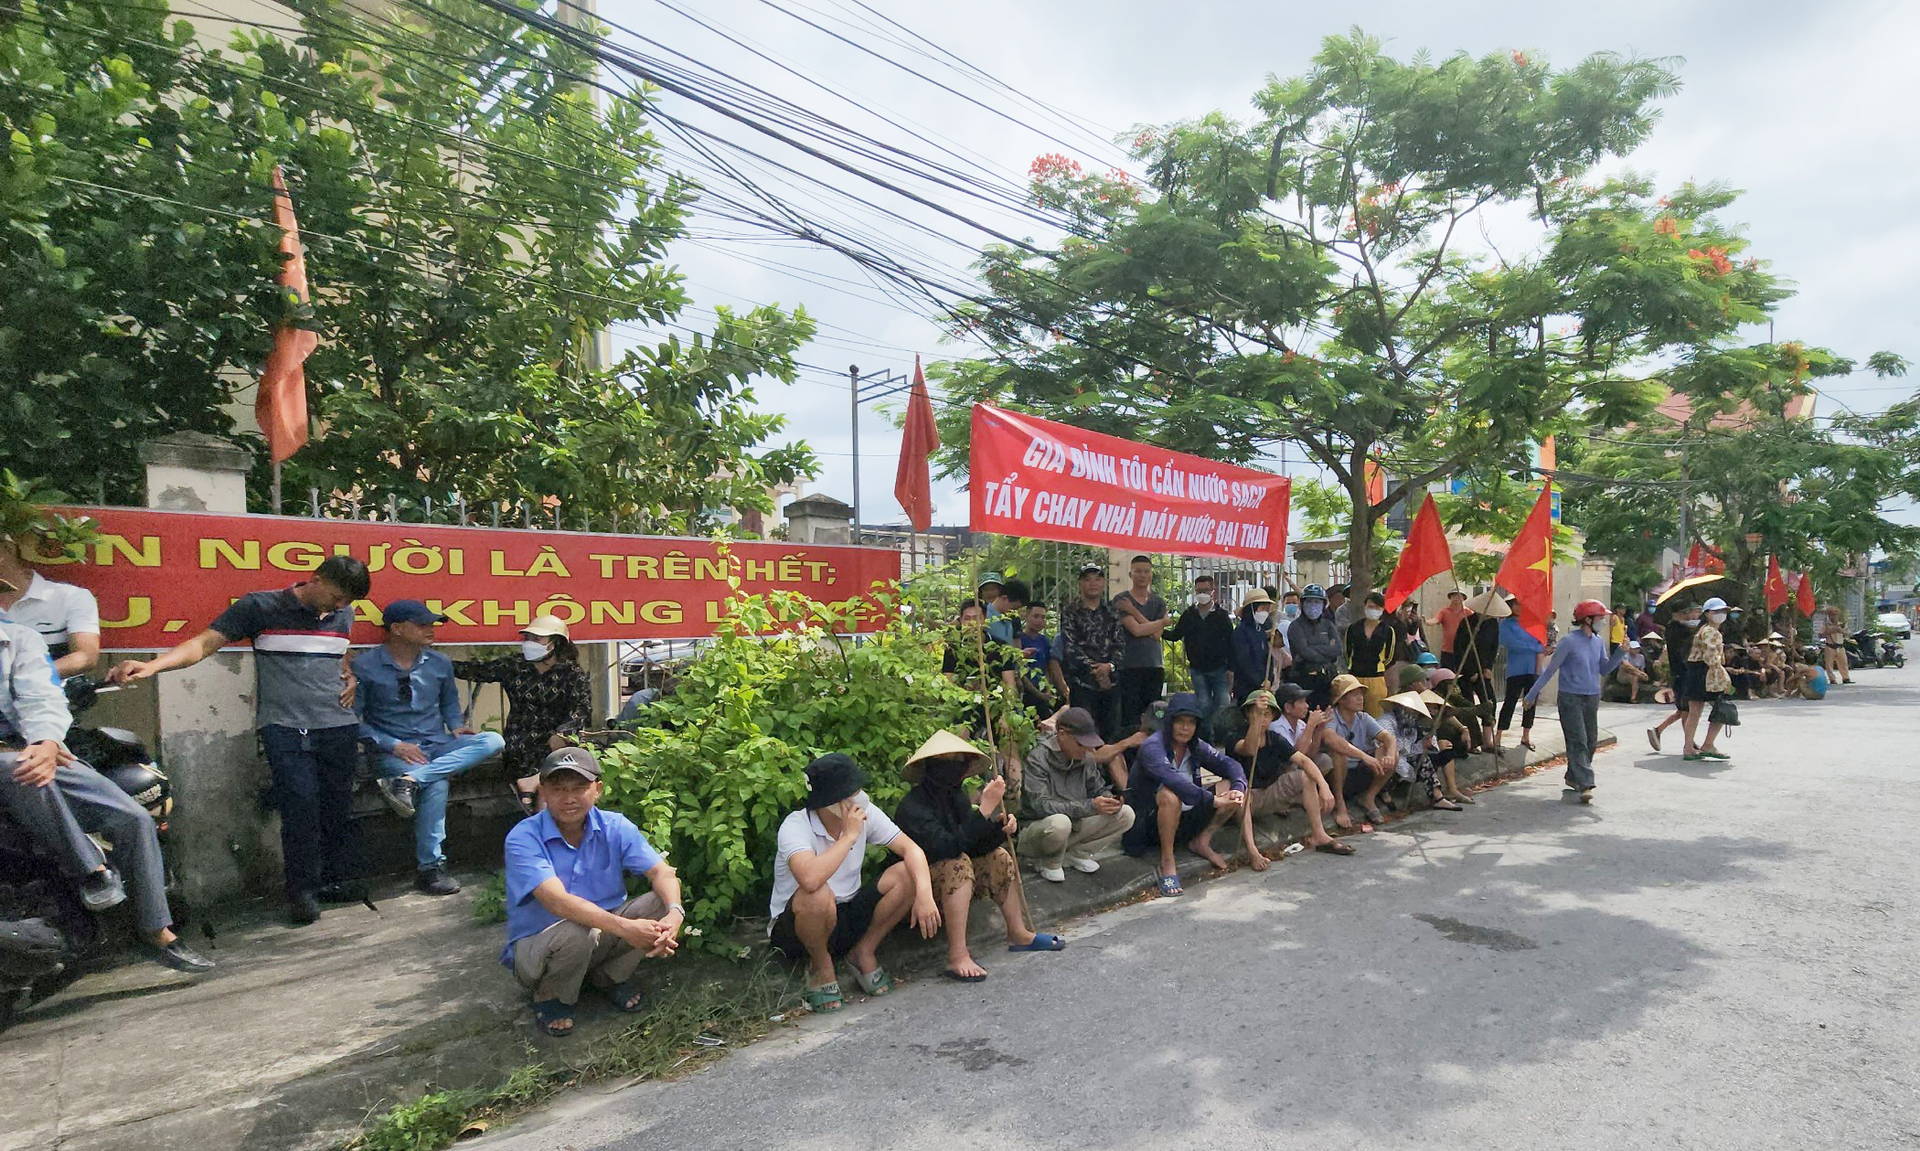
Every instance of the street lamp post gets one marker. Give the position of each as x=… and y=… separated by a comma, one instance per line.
x=874, y=385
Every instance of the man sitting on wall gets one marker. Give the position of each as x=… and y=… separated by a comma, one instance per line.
x=1364, y=753
x=1172, y=800
x=1280, y=774
x=1072, y=808
x=821, y=911
x=410, y=711
x=568, y=916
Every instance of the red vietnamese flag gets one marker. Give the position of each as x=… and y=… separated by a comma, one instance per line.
x=1527, y=572
x=1776, y=586
x=912, y=485
x=280, y=404
x=1804, y=601
x=1426, y=555
x=1376, y=481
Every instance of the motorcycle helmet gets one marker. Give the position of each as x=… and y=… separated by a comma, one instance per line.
x=1313, y=591
x=1589, y=609
x=147, y=786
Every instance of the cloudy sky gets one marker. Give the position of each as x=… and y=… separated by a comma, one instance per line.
x=1807, y=107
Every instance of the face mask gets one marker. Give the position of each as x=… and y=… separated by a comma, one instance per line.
x=1202, y=598
x=534, y=650
x=1374, y=613
x=947, y=773
x=1691, y=622
x=1314, y=609
x=1291, y=611
x=1260, y=619
x=1717, y=618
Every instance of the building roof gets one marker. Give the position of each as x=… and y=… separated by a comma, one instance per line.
x=1678, y=409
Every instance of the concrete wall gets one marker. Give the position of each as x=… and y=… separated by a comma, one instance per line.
x=224, y=843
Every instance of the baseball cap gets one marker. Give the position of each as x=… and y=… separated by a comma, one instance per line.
x=409, y=611
x=1078, y=723
x=1291, y=692
x=1092, y=569
x=578, y=760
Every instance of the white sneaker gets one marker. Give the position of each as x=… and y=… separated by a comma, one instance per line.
x=1052, y=874
x=1085, y=864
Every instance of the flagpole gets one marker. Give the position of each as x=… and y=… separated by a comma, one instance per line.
x=276, y=488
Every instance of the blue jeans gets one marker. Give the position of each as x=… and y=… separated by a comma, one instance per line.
x=1211, y=687
x=447, y=757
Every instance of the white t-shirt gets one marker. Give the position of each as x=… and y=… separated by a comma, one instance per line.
x=1288, y=728
x=803, y=831
x=56, y=610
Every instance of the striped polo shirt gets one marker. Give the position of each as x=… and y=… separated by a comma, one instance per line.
x=296, y=652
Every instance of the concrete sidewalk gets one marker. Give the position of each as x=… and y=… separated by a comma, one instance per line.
x=303, y=1033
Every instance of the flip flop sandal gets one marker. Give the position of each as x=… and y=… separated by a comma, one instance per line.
x=1335, y=848
x=1462, y=798
x=823, y=998
x=1445, y=804
x=1374, y=816
x=1170, y=885
x=629, y=996
x=950, y=973
x=1692, y=756
x=875, y=983
x=549, y=1012
x=1041, y=942
x=1365, y=829
x=1714, y=755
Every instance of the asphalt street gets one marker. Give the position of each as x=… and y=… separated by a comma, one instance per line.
x=1712, y=955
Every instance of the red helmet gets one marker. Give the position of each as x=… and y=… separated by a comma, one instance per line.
x=1589, y=608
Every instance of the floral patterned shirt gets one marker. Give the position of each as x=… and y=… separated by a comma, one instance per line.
x=540, y=705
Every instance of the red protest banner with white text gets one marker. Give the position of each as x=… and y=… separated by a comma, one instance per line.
x=1044, y=480
x=163, y=576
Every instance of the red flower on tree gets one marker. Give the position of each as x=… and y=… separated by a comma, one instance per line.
x=1717, y=257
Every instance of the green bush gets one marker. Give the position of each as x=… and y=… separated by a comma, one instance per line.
x=718, y=764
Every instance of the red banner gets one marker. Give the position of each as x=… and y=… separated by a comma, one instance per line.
x=163, y=576
x=1044, y=480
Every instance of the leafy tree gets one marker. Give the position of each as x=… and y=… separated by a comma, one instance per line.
x=122, y=315
x=1810, y=492
x=717, y=763
x=1307, y=275
x=471, y=231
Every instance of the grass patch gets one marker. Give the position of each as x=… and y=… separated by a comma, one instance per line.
x=693, y=1020
x=490, y=902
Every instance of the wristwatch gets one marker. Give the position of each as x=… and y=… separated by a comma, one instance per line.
x=677, y=907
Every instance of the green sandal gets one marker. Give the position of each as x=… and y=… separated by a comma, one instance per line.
x=825, y=997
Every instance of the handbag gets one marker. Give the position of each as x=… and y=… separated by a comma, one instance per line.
x=1724, y=713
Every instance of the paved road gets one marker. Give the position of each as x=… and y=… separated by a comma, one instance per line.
x=1711, y=956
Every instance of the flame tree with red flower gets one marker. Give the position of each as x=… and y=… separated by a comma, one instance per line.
x=1315, y=273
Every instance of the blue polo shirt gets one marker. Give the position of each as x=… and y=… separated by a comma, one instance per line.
x=610, y=849
x=425, y=712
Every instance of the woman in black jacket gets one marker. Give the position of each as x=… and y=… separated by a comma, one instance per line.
x=549, y=702
x=963, y=841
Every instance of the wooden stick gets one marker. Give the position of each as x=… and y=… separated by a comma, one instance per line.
x=1008, y=769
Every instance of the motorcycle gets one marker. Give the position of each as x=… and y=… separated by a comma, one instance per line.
x=1876, y=649
x=47, y=937
x=1864, y=649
